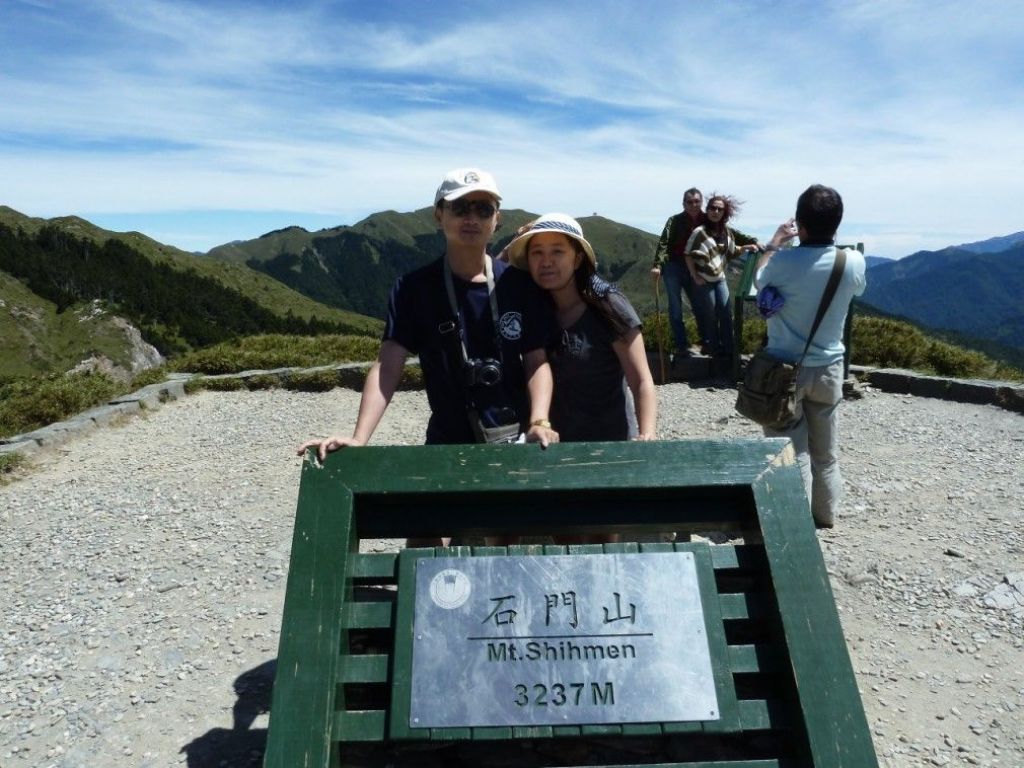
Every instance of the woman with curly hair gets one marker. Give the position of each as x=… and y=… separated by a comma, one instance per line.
x=708, y=251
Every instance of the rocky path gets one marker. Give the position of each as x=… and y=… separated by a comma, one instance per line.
x=143, y=569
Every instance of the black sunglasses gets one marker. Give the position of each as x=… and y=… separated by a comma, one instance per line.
x=480, y=208
x=716, y=208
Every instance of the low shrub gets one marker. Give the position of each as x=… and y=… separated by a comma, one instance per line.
x=947, y=360
x=886, y=343
x=156, y=375
x=8, y=463
x=313, y=381
x=412, y=379
x=656, y=331
x=278, y=351
x=262, y=381
x=755, y=331
x=28, y=403
x=228, y=384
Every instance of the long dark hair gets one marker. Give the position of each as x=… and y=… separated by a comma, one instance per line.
x=732, y=208
x=594, y=290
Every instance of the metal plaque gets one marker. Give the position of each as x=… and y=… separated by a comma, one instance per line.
x=558, y=640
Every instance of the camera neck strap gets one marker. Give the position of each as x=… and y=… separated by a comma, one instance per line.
x=449, y=284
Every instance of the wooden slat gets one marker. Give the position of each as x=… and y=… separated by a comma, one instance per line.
x=601, y=730
x=763, y=715
x=738, y=556
x=499, y=733
x=725, y=689
x=594, y=468
x=532, y=732
x=642, y=729
x=742, y=605
x=369, y=615
x=675, y=728
x=565, y=731
x=364, y=668
x=825, y=686
x=451, y=734
x=357, y=725
x=401, y=678
x=378, y=566
x=755, y=659
x=315, y=605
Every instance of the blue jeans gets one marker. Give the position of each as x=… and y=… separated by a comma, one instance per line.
x=712, y=307
x=677, y=280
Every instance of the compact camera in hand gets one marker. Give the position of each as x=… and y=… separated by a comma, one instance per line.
x=482, y=373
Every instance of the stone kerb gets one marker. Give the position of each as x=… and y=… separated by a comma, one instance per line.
x=123, y=406
x=1005, y=395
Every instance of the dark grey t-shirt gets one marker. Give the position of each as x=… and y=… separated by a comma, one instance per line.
x=589, y=401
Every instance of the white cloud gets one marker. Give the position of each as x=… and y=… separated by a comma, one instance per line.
x=158, y=106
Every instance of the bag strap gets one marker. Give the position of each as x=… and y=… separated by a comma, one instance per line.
x=454, y=333
x=491, y=297
x=830, y=291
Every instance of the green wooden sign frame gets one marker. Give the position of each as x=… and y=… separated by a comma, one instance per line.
x=752, y=487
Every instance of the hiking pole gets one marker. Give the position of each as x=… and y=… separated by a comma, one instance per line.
x=657, y=325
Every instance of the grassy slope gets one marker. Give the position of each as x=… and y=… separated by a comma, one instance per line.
x=266, y=291
x=36, y=339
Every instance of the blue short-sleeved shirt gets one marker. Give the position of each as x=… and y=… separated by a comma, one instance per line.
x=418, y=309
x=800, y=275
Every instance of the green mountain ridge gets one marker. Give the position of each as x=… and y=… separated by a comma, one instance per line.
x=235, y=277
x=354, y=267
x=53, y=271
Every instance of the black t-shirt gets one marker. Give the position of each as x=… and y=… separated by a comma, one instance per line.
x=418, y=313
x=589, y=402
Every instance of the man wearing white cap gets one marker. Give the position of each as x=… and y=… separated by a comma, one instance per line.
x=480, y=330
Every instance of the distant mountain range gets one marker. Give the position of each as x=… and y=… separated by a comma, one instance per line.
x=973, y=290
x=338, y=279
x=994, y=244
x=354, y=267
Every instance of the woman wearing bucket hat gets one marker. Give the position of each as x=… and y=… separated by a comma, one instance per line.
x=600, y=345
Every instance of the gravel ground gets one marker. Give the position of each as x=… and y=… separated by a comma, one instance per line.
x=144, y=566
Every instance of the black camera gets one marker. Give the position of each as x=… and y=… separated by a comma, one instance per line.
x=482, y=373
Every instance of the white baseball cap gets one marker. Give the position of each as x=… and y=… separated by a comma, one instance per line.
x=462, y=181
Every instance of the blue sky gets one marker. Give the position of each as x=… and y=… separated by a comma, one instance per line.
x=198, y=123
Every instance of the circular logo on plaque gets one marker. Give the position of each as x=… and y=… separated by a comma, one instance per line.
x=450, y=588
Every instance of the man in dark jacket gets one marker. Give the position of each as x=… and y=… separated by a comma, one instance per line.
x=670, y=265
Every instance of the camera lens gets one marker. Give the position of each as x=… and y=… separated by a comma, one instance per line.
x=489, y=374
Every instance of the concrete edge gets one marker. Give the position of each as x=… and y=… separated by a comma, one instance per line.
x=153, y=396
x=1006, y=395
x=58, y=433
x=1003, y=394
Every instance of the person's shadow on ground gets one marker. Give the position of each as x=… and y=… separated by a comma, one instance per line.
x=238, y=746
